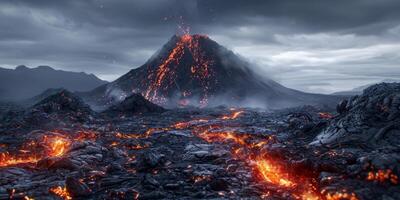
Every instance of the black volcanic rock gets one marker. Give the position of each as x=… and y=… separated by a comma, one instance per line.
x=62, y=105
x=63, y=102
x=371, y=118
x=36, y=99
x=359, y=90
x=24, y=82
x=362, y=143
x=195, y=70
x=61, y=109
x=133, y=105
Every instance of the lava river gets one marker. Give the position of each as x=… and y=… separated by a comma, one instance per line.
x=266, y=169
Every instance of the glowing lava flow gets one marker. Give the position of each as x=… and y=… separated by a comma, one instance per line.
x=177, y=52
x=272, y=173
x=234, y=115
x=223, y=136
x=164, y=77
x=61, y=192
x=341, y=196
x=56, y=146
x=144, y=135
x=383, y=176
x=6, y=159
x=247, y=147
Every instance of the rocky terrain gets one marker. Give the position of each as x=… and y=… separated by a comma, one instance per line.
x=304, y=153
x=133, y=105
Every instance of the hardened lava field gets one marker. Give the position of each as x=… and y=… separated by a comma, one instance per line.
x=60, y=149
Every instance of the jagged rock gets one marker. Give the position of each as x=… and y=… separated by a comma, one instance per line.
x=124, y=193
x=57, y=110
x=64, y=163
x=77, y=188
x=150, y=182
x=151, y=160
x=218, y=184
x=63, y=102
x=115, y=168
x=133, y=105
x=342, y=107
x=371, y=110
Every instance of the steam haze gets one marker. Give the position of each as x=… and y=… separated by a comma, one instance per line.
x=311, y=45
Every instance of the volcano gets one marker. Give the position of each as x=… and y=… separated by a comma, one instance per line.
x=195, y=70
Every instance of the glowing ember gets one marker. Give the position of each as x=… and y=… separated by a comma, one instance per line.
x=144, y=135
x=58, y=146
x=223, y=136
x=114, y=144
x=341, y=196
x=181, y=125
x=325, y=115
x=272, y=173
x=28, y=198
x=138, y=147
x=61, y=192
x=234, y=115
x=310, y=195
x=198, y=179
x=6, y=159
x=55, y=146
x=383, y=176
x=86, y=135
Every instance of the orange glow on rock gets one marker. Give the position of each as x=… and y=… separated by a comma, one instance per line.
x=223, y=136
x=61, y=192
x=325, y=115
x=58, y=146
x=383, y=176
x=6, y=159
x=164, y=77
x=272, y=173
x=341, y=196
x=54, y=146
x=234, y=115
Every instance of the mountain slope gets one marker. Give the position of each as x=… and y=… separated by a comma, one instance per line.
x=195, y=70
x=23, y=82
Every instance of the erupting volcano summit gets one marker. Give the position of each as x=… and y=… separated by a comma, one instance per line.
x=195, y=70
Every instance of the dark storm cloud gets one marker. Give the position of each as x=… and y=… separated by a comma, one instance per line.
x=317, y=15
x=284, y=37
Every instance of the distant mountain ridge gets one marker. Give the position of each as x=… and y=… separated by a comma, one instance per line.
x=359, y=90
x=23, y=82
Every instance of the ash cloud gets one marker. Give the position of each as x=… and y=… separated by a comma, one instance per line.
x=311, y=45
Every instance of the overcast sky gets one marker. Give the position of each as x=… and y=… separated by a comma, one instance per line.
x=310, y=45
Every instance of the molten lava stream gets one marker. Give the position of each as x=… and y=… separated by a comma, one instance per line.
x=54, y=146
x=58, y=146
x=234, y=115
x=164, y=76
x=6, y=159
x=272, y=173
x=61, y=192
x=246, y=146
